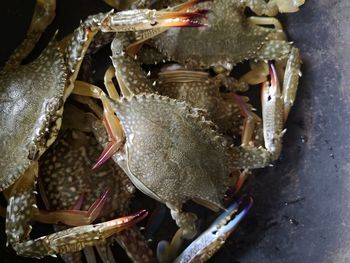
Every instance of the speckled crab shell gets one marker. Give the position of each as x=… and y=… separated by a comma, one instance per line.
x=168, y=140
x=30, y=112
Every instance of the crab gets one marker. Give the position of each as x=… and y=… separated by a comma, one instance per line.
x=32, y=100
x=67, y=181
x=170, y=150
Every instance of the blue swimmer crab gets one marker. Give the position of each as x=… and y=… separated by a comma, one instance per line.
x=53, y=73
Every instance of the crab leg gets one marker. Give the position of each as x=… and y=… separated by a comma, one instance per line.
x=109, y=75
x=291, y=61
x=272, y=108
x=213, y=238
x=250, y=156
x=250, y=118
x=21, y=201
x=77, y=238
x=43, y=15
x=241, y=179
x=291, y=73
x=74, y=216
x=186, y=221
x=110, y=120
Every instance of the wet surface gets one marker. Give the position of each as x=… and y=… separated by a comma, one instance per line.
x=302, y=210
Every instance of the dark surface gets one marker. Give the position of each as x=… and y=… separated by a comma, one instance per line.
x=301, y=211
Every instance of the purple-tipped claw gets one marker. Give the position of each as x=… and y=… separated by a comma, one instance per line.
x=110, y=150
x=213, y=238
x=96, y=208
x=273, y=75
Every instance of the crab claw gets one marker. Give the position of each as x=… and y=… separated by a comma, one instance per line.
x=145, y=19
x=113, y=146
x=273, y=114
x=110, y=150
x=116, y=225
x=213, y=238
x=180, y=19
x=274, y=80
x=112, y=227
x=77, y=238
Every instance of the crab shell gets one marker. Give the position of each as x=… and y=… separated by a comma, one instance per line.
x=171, y=152
x=30, y=112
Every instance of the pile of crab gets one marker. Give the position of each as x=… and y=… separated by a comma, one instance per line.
x=182, y=131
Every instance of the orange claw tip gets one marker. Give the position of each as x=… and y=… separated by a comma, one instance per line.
x=115, y=226
x=133, y=218
x=189, y=15
x=183, y=23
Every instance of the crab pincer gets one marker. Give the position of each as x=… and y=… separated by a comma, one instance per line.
x=213, y=238
x=146, y=19
x=273, y=114
x=77, y=238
